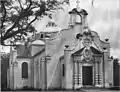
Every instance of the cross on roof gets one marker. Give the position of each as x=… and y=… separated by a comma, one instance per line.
x=77, y=6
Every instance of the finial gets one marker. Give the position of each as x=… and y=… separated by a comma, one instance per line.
x=77, y=6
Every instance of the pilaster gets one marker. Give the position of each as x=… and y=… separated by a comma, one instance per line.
x=80, y=75
x=105, y=72
x=68, y=67
x=44, y=74
x=96, y=73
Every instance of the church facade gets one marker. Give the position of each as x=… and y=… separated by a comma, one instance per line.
x=65, y=59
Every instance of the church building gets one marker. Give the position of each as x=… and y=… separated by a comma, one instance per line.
x=62, y=58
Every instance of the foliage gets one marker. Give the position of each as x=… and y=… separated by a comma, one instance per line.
x=17, y=16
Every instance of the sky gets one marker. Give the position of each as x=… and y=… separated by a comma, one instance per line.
x=103, y=17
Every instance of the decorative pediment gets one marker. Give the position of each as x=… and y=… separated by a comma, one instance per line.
x=87, y=54
x=87, y=51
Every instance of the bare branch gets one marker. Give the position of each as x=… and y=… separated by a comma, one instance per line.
x=12, y=34
x=3, y=18
x=29, y=4
x=11, y=28
x=20, y=5
x=31, y=22
x=4, y=15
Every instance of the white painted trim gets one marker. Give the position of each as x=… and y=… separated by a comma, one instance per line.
x=86, y=64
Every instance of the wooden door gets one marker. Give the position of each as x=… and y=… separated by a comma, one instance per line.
x=87, y=75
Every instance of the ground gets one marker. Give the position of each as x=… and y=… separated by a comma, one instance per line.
x=78, y=90
x=101, y=90
x=90, y=90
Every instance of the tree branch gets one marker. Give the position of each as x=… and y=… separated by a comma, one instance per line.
x=29, y=5
x=20, y=5
x=31, y=22
x=3, y=18
x=4, y=15
x=11, y=28
x=18, y=31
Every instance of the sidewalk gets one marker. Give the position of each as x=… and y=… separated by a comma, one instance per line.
x=99, y=90
x=90, y=90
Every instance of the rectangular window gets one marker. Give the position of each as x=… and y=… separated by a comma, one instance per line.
x=63, y=70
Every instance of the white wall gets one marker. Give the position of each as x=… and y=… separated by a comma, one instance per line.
x=56, y=47
x=36, y=48
x=38, y=78
x=19, y=82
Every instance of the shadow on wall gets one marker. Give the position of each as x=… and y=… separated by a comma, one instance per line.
x=4, y=67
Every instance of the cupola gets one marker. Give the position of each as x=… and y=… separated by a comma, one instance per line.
x=50, y=30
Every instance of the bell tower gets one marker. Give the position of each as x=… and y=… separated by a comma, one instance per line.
x=78, y=15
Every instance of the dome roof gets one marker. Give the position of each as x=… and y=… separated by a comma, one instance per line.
x=38, y=42
x=84, y=12
x=52, y=29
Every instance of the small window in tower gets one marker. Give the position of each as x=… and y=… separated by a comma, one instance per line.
x=24, y=70
x=42, y=35
x=78, y=19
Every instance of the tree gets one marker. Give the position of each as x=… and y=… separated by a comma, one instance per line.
x=17, y=16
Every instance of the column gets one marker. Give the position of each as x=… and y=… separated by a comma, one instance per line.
x=78, y=72
x=96, y=74
x=73, y=74
x=105, y=61
x=40, y=74
x=80, y=75
x=32, y=73
x=0, y=72
x=44, y=74
x=45, y=67
x=39, y=77
x=13, y=76
x=99, y=73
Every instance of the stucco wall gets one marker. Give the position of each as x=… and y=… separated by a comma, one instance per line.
x=56, y=47
x=19, y=82
x=37, y=71
x=56, y=80
x=36, y=48
x=108, y=73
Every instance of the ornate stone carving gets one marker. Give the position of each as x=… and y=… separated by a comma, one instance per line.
x=87, y=54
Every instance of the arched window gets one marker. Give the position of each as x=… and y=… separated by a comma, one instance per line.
x=78, y=19
x=24, y=70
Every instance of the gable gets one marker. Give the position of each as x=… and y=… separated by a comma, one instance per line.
x=93, y=50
